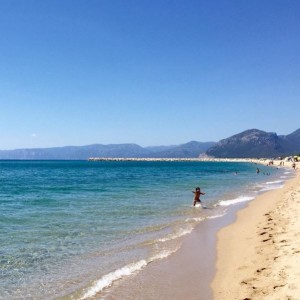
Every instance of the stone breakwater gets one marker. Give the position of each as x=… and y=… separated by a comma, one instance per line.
x=201, y=159
x=141, y=159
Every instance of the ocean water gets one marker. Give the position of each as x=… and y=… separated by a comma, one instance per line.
x=70, y=229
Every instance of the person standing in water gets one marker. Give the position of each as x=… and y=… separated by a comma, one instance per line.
x=197, y=194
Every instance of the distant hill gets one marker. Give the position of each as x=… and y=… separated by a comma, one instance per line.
x=188, y=150
x=192, y=149
x=77, y=152
x=257, y=143
x=291, y=143
x=250, y=143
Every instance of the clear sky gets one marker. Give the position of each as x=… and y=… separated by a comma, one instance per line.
x=155, y=72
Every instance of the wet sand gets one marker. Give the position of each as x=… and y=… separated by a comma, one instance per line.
x=258, y=256
x=186, y=274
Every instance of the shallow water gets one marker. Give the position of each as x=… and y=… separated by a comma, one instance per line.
x=74, y=227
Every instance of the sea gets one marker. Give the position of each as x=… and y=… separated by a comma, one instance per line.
x=71, y=229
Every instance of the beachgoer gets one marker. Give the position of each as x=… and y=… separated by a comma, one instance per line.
x=257, y=170
x=197, y=194
x=294, y=165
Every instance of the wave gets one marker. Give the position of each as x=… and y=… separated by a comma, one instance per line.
x=181, y=232
x=108, y=279
x=235, y=201
x=162, y=254
x=194, y=219
x=272, y=187
x=276, y=181
x=216, y=216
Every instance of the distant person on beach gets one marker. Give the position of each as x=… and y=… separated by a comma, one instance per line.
x=294, y=165
x=197, y=194
x=257, y=171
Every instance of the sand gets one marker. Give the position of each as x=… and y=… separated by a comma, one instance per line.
x=258, y=256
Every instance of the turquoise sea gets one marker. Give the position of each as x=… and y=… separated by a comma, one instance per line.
x=71, y=228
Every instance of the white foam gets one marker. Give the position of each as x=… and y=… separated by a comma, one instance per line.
x=216, y=216
x=276, y=181
x=181, y=232
x=163, y=254
x=194, y=219
x=109, y=278
x=236, y=200
x=272, y=187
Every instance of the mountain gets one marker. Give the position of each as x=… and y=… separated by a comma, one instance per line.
x=77, y=152
x=291, y=143
x=156, y=149
x=192, y=149
x=188, y=150
x=250, y=143
x=257, y=143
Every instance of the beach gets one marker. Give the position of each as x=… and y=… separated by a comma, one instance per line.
x=251, y=253
x=146, y=241
x=258, y=255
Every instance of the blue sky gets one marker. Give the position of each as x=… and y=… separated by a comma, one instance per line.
x=147, y=72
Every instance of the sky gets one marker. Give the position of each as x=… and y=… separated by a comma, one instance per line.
x=150, y=72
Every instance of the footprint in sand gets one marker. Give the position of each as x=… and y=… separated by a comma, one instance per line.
x=259, y=270
x=278, y=286
x=265, y=240
x=248, y=281
x=283, y=241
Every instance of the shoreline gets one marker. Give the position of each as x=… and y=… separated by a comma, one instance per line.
x=189, y=272
x=186, y=274
x=258, y=255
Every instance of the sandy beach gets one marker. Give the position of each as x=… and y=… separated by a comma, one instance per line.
x=258, y=256
x=252, y=253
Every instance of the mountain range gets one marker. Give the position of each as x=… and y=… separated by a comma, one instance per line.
x=250, y=143
x=190, y=150
x=257, y=143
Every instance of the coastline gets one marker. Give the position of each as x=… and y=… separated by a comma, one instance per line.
x=188, y=272
x=258, y=255
x=180, y=260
